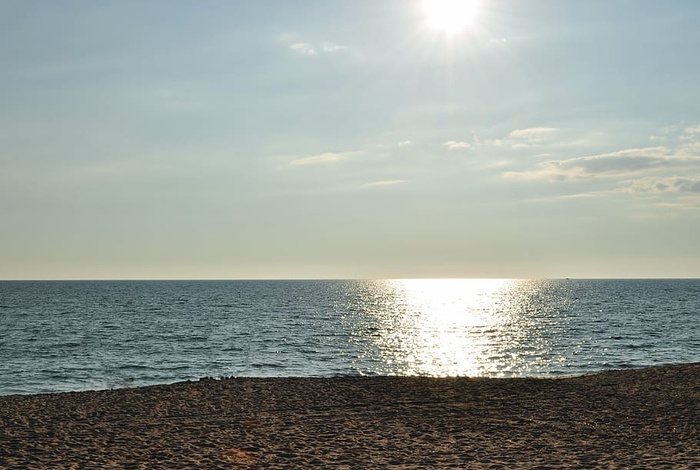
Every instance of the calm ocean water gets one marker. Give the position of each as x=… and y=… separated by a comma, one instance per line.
x=65, y=336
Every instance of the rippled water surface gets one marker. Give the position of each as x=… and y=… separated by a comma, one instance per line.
x=59, y=336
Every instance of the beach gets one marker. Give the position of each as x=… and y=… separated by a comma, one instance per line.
x=646, y=418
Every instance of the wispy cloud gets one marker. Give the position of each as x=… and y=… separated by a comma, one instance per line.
x=310, y=49
x=383, y=183
x=667, y=174
x=613, y=164
x=531, y=137
x=685, y=139
x=331, y=48
x=405, y=143
x=533, y=133
x=457, y=145
x=540, y=138
x=303, y=48
x=321, y=159
x=691, y=132
x=538, y=141
x=663, y=184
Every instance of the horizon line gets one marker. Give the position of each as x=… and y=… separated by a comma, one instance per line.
x=272, y=279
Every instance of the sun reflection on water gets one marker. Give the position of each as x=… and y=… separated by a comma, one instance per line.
x=460, y=327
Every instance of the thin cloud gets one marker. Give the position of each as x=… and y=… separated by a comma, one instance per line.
x=668, y=171
x=405, y=143
x=690, y=141
x=330, y=48
x=308, y=49
x=303, y=48
x=691, y=132
x=383, y=183
x=685, y=140
x=690, y=149
x=457, y=145
x=531, y=137
x=663, y=184
x=533, y=133
x=613, y=164
x=324, y=158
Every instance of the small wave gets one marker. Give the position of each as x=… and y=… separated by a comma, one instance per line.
x=265, y=365
x=135, y=367
x=637, y=346
x=175, y=367
x=618, y=365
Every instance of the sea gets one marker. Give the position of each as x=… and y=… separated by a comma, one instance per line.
x=59, y=336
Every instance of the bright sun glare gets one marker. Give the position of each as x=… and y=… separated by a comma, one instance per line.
x=450, y=16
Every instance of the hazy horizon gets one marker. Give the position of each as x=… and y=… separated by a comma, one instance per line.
x=309, y=279
x=355, y=139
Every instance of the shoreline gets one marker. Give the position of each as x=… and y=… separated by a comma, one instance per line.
x=638, y=417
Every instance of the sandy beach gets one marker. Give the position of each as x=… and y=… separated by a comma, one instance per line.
x=637, y=418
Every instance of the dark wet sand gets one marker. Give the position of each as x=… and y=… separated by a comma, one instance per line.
x=628, y=419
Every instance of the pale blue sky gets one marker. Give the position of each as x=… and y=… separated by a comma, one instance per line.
x=348, y=139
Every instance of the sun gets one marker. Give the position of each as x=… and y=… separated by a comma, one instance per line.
x=450, y=16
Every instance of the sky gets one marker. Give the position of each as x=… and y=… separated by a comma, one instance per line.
x=174, y=139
